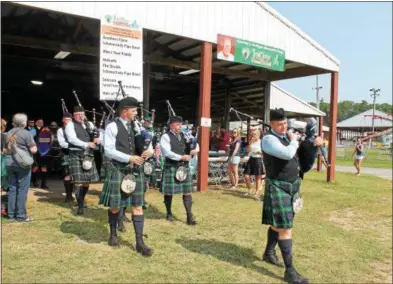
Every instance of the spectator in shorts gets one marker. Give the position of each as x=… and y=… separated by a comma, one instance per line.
x=359, y=151
x=234, y=158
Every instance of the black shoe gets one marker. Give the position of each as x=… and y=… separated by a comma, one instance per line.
x=143, y=249
x=120, y=226
x=170, y=217
x=272, y=259
x=292, y=276
x=80, y=211
x=35, y=184
x=191, y=220
x=113, y=241
x=44, y=186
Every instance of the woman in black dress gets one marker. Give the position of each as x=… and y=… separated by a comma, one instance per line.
x=254, y=165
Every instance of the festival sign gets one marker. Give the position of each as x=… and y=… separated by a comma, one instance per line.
x=121, y=58
x=250, y=53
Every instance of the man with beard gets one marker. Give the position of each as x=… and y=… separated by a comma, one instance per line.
x=78, y=135
x=177, y=157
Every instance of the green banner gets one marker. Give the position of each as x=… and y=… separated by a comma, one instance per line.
x=250, y=53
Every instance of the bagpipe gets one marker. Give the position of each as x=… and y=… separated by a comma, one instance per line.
x=191, y=141
x=307, y=130
x=183, y=170
x=93, y=132
x=143, y=137
x=259, y=121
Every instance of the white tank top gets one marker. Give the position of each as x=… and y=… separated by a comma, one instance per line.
x=255, y=147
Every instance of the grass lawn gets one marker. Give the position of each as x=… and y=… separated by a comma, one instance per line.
x=344, y=234
x=375, y=158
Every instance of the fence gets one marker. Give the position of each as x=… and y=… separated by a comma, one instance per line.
x=371, y=154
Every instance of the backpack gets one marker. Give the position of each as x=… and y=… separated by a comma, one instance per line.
x=22, y=157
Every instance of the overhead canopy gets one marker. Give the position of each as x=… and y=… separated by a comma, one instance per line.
x=280, y=98
x=364, y=120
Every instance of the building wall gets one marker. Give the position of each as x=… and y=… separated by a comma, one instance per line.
x=204, y=20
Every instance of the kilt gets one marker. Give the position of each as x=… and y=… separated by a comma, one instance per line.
x=78, y=174
x=169, y=184
x=104, y=166
x=41, y=161
x=65, y=163
x=254, y=167
x=152, y=179
x=112, y=196
x=4, y=175
x=277, y=203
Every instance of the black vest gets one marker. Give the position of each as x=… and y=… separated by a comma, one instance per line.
x=279, y=169
x=81, y=134
x=178, y=147
x=125, y=142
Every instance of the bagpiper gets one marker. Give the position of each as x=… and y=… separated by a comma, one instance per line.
x=125, y=180
x=65, y=151
x=82, y=165
x=176, y=176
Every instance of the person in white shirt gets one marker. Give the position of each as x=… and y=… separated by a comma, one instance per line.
x=125, y=160
x=63, y=142
x=177, y=154
x=226, y=54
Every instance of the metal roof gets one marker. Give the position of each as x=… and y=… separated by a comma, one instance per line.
x=253, y=21
x=364, y=120
x=280, y=98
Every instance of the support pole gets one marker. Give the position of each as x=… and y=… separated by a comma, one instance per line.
x=146, y=85
x=266, y=102
x=319, y=161
x=248, y=130
x=205, y=80
x=333, y=127
x=228, y=103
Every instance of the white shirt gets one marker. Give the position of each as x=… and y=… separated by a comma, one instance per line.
x=221, y=56
x=72, y=138
x=61, y=139
x=110, y=143
x=165, y=144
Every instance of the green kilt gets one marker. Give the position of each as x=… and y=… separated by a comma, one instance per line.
x=277, y=203
x=112, y=196
x=78, y=174
x=169, y=184
x=4, y=175
x=104, y=166
x=65, y=163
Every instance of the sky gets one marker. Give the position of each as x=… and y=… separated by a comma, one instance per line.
x=358, y=34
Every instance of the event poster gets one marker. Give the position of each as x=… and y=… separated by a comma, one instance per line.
x=121, y=58
x=246, y=52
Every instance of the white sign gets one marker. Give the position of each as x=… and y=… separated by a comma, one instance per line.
x=121, y=58
x=206, y=122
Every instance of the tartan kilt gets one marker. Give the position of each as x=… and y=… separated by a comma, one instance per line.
x=169, y=184
x=277, y=203
x=4, y=175
x=112, y=196
x=65, y=163
x=104, y=166
x=78, y=174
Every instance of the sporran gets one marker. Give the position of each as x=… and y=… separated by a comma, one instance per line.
x=148, y=168
x=181, y=173
x=297, y=203
x=128, y=184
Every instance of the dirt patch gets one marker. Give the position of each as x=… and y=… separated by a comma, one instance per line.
x=345, y=219
x=383, y=269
